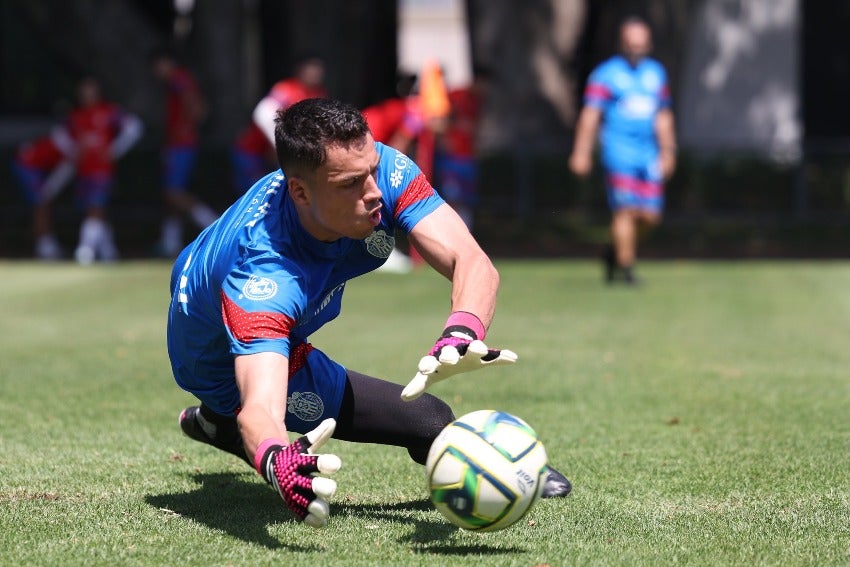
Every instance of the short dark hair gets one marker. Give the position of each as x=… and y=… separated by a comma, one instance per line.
x=635, y=19
x=303, y=132
x=161, y=52
x=304, y=58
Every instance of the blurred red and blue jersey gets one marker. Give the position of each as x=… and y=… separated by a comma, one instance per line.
x=395, y=115
x=629, y=98
x=285, y=93
x=289, y=91
x=93, y=129
x=256, y=281
x=459, y=139
x=42, y=154
x=181, y=126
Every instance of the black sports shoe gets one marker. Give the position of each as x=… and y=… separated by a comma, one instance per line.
x=609, y=258
x=221, y=432
x=629, y=276
x=556, y=485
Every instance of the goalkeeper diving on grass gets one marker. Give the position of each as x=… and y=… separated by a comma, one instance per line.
x=251, y=289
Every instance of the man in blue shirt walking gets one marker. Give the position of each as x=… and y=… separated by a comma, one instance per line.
x=627, y=102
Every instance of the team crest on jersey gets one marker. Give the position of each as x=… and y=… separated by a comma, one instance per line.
x=651, y=81
x=306, y=406
x=379, y=244
x=259, y=289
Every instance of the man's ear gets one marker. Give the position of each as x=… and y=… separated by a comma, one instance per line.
x=297, y=190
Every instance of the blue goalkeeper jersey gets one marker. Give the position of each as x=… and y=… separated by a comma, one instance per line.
x=256, y=281
x=629, y=98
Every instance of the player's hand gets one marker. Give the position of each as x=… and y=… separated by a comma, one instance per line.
x=667, y=163
x=292, y=469
x=454, y=352
x=580, y=164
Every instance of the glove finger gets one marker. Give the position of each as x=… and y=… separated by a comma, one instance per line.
x=315, y=521
x=318, y=513
x=477, y=348
x=323, y=487
x=319, y=508
x=415, y=387
x=501, y=357
x=428, y=364
x=450, y=355
x=492, y=354
x=323, y=464
x=328, y=464
x=317, y=437
x=297, y=500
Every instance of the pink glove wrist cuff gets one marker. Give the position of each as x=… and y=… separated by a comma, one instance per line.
x=469, y=320
x=263, y=449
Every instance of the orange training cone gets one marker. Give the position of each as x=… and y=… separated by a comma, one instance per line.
x=432, y=91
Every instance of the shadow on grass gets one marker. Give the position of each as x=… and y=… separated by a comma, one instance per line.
x=245, y=510
x=225, y=502
x=429, y=536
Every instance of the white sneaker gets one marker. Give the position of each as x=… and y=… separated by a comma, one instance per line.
x=171, y=241
x=106, y=249
x=84, y=255
x=47, y=248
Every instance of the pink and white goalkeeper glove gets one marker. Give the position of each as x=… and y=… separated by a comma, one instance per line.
x=459, y=349
x=291, y=470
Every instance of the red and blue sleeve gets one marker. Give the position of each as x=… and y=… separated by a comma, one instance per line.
x=407, y=192
x=260, y=305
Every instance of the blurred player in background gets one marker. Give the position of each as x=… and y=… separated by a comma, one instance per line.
x=456, y=164
x=43, y=167
x=253, y=153
x=100, y=132
x=629, y=96
x=410, y=123
x=397, y=122
x=250, y=291
x=185, y=111
x=251, y=157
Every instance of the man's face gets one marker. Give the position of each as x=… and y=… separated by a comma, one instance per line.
x=162, y=68
x=88, y=92
x=312, y=73
x=635, y=41
x=341, y=198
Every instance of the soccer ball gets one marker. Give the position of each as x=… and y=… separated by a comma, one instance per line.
x=485, y=470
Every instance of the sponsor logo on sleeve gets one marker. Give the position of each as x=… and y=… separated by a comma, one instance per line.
x=397, y=176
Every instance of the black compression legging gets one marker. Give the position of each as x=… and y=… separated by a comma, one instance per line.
x=372, y=411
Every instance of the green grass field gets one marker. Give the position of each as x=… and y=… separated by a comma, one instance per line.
x=703, y=419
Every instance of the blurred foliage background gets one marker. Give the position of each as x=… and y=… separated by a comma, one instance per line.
x=759, y=89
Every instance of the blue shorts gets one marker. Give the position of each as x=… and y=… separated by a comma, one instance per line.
x=93, y=190
x=30, y=180
x=314, y=391
x=635, y=186
x=178, y=163
x=457, y=179
x=247, y=169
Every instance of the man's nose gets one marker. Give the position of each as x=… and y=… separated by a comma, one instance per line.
x=371, y=191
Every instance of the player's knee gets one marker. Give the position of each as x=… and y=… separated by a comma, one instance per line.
x=432, y=415
x=649, y=219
